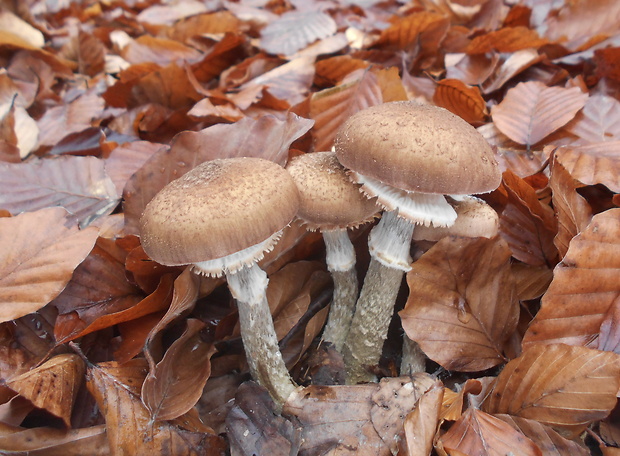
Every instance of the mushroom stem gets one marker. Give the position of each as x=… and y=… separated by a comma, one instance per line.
x=389, y=247
x=267, y=367
x=341, y=264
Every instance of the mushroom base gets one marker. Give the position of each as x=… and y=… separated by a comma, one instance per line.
x=267, y=367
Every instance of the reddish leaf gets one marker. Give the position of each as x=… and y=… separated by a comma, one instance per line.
x=591, y=164
x=531, y=111
x=38, y=253
x=176, y=384
x=462, y=307
x=462, y=100
x=507, y=39
x=125, y=160
x=157, y=50
x=584, y=287
x=426, y=29
x=564, y=387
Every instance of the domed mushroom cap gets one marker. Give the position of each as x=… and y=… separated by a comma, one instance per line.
x=328, y=198
x=418, y=148
x=475, y=218
x=217, y=209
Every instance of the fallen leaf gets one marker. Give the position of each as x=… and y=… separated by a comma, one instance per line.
x=550, y=442
x=559, y=385
x=176, y=384
x=591, y=164
x=425, y=29
x=36, y=264
x=462, y=305
x=507, y=39
x=149, y=49
x=584, y=287
x=79, y=184
x=598, y=120
x=294, y=30
x=125, y=160
x=482, y=434
x=530, y=111
x=462, y=100
x=52, y=386
x=420, y=425
x=509, y=67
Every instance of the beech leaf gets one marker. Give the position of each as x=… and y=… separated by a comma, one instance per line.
x=79, y=184
x=294, y=30
x=462, y=100
x=598, y=121
x=585, y=286
x=531, y=111
x=462, y=304
x=482, y=434
x=595, y=163
x=563, y=386
x=52, y=386
x=36, y=264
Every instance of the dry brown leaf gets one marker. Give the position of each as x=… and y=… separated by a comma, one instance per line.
x=59, y=121
x=79, y=184
x=462, y=305
x=531, y=111
x=509, y=67
x=528, y=225
x=421, y=424
x=572, y=210
x=38, y=253
x=170, y=13
x=52, y=386
x=176, y=384
x=53, y=442
x=374, y=414
x=425, y=29
x=453, y=402
x=128, y=424
x=332, y=70
x=531, y=281
x=127, y=159
x=330, y=108
x=266, y=137
x=507, y=39
x=559, y=385
x=550, y=442
x=294, y=30
x=91, y=54
x=18, y=129
x=482, y=434
x=584, y=288
x=149, y=49
x=462, y=100
x=591, y=164
x=598, y=121
x=202, y=24
x=170, y=86
x=470, y=69
x=219, y=58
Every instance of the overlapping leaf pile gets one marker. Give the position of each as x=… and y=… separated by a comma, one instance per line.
x=102, y=103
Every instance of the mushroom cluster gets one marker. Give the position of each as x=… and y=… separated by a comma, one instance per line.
x=412, y=158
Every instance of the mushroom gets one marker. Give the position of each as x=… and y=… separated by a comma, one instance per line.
x=409, y=156
x=331, y=203
x=221, y=217
x=475, y=218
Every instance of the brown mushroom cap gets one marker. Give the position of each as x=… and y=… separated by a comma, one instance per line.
x=475, y=218
x=328, y=198
x=418, y=148
x=217, y=209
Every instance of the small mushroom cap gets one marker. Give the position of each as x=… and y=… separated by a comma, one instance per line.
x=418, y=148
x=217, y=209
x=328, y=198
x=475, y=218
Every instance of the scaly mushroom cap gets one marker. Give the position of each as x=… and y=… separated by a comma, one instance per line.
x=475, y=218
x=217, y=209
x=328, y=198
x=417, y=148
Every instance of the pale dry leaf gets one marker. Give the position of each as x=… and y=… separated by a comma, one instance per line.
x=24, y=128
x=294, y=30
x=550, y=442
x=127, y=159
x=320, y=410
x=59, y=121
x=598, y=121
x=15, y=25
x=572, y=210
x=559, y=385
x=44, y=441
x=176, y=384
x=531, y=111
x=584, y=287
x=168, y=14
x=591, y=164
x=53, y=385
x=509, y=67
x=482, y=434
x=79, y=184
x=462, y=304
x=38, y=254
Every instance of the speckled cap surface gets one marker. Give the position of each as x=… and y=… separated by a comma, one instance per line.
x=328, y=198
x=218, y=208
x=418, y=148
